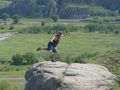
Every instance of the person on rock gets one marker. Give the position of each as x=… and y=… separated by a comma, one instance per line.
x=53, y=43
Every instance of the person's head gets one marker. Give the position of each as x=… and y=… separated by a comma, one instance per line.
x=60, y=33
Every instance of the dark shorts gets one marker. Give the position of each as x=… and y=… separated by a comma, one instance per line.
x=51, y=47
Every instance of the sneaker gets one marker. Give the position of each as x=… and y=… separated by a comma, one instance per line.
x=38, y=49
x=52, y=60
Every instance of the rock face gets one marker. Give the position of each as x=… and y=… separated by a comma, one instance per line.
x=61, y=76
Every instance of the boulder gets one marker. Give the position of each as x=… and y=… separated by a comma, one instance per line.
x=61, y=76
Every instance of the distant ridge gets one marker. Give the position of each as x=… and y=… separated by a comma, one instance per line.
x=63, y=8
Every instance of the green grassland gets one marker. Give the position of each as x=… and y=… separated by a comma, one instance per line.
x=12, y=74
x=12, y=84
x=94, y=45
x=75, y=44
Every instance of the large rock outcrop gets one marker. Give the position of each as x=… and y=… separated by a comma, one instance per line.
x=61, y=76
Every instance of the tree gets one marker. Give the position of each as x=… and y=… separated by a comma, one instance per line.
x=15, y=19
x=4, y=17
x=29, y=59
x=118, y=19
x=17, y=59
x=60, y=5
x=52, y=6
x=55, y=18
x=42, y=23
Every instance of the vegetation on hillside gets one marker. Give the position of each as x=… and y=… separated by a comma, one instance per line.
x=63, y=8
x=4, y=3
x=111, y=60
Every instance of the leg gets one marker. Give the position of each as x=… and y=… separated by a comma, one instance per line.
x=45, y=49
x=54, y=55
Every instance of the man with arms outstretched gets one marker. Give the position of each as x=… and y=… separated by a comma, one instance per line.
x=53, y=43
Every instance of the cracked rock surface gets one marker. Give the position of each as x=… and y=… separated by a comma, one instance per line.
x=61, y=76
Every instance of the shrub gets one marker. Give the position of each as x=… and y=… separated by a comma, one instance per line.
x=72, y=59
x=111, y=60
x=11, y=27
x=51, y=29
x=89, y=55
x=60, y=27
x=102, y=28
x=17, y=59
x=32, y=29
x=97, y=20
x=116, y=32
x=79, y=60
x=2, y=27
x=55, y=18
x=73, y=28
x=3, y=61
x=27, y=59
x=67, y=59
x=15, y=19
x=5, y=68
x=75, y=59
x=42, y=23
x=4, y=17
